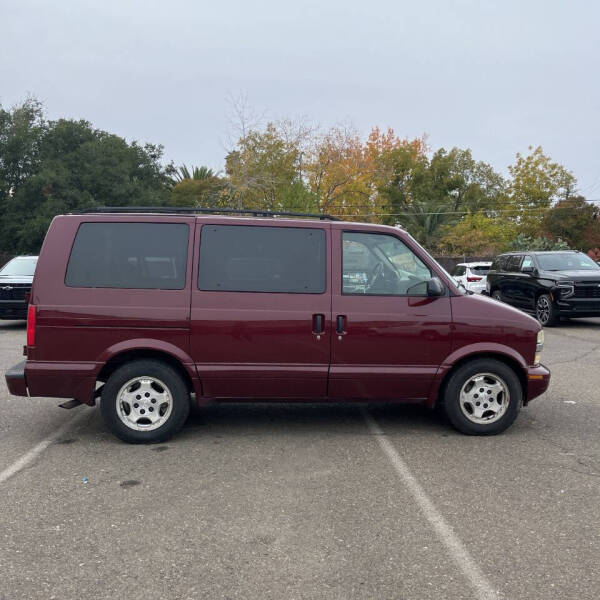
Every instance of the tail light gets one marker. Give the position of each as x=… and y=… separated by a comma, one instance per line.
x=31, y=317
x=472, y=278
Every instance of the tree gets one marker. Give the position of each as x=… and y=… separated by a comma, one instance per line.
x=21, y=131
x=427, y=196
x=570, y=220
x=477, y=233
x=264, y=169
x=69, y=167
x=198, y=187
x=336, y=171
x=536, y=184
x=181, y=173
x=525, y=243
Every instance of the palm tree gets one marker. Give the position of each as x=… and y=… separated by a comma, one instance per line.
x=198, y=173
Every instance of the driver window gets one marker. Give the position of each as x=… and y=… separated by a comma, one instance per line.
x=379, y=264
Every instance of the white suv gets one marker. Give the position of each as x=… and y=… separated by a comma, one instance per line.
x=472, y=276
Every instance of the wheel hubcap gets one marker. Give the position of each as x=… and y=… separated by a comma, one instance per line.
x=484, y=398
x=144, y=403
x=543, y=310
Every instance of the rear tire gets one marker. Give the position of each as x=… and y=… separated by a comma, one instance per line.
x=145, y=402
x=482, y=397
x=497, y=296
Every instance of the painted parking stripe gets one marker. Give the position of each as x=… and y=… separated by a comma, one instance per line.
x=30, y=456
x=457, y=550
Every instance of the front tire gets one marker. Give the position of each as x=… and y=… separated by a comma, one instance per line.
x=145, y=401
x=497, y=296
x=482, y=397
x=545, y=311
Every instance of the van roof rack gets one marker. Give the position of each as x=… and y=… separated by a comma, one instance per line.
x=197, y=210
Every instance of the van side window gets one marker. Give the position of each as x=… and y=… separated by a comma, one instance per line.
x=129, y=256
x=379, y=264
x=240, y=258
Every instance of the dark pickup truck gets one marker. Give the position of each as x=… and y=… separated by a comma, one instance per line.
x=16, y=277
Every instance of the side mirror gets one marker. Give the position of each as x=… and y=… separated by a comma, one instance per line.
x=527, y=269
x=435, y=287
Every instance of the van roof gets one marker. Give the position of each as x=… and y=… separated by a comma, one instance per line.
x=190, y=210
x=221, y=213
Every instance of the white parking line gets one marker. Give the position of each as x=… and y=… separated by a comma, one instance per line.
x=457, y=550
x=30, y=456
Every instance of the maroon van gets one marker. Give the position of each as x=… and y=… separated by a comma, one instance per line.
x=152, y=311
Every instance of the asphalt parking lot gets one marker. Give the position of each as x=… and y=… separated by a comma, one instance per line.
x=307, y=501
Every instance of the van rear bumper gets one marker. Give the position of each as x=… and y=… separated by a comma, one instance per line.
x=53, y=380
x=15, y=380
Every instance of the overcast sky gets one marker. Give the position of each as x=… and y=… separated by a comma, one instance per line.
x=493, y=76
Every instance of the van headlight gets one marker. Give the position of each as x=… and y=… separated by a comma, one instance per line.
x=539, y=345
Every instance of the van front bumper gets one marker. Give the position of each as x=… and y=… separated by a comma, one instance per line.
x=538, y=380
x=15, y=380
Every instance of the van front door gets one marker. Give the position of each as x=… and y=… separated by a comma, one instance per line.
x=389, y=336
x=261, y=309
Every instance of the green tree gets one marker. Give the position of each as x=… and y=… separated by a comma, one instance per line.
x=69, y=167
x=570, y=220
x=199, y=187
x=181, y=173
x=427, y=196
x=21, y=131
x=536, y=183
x=264, y=170
x=477, y=233
x=525, y=243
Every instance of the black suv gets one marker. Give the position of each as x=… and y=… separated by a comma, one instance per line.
x=547, y=284
x=15, y=284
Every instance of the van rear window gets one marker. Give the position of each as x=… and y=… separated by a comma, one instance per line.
x=239, y=258
x=129, y=256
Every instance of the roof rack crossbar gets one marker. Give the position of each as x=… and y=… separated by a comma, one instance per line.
x=195, y=209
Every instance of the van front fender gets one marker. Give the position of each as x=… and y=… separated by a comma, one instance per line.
x=472, y=351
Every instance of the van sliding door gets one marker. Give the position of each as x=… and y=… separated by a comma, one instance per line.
x=261, y=309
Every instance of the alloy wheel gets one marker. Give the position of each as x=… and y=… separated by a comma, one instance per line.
x=484, y=398
x=144, y=403
x=543, y=309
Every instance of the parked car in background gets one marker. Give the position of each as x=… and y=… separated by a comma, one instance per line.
x=548, y=285
x=472, y=275
x=16, y=277
x=144, y=310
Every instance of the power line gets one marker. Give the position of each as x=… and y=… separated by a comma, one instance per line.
x=447, y=212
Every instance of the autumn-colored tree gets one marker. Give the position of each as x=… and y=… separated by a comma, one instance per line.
x=591, y=235
x=594, y=253
x=337, y=173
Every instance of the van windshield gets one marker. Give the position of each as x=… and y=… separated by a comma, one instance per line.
x=455, y=287
x=566, y=261
x=19, y=267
